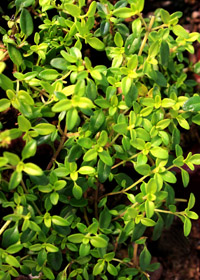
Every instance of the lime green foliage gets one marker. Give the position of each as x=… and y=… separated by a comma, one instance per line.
x=70, y=219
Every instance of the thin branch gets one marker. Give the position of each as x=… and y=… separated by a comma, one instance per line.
x=146, y=36
x=63, y=138
x=4, y=227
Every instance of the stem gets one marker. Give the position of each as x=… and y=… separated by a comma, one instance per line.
x=41, y=91
x=65, y=270
x=159, y=27
x=123, y=161
x=168, y=212
x=63, y=138
x=86, y=217
x=4, y=227
x=125, y=190
x=135, y=257
x=17, y=86
x=120, y=261
x=114, y=139
x=4, y=54
x=180, y=200
x=146, y=35
x=33, y=202
x=143, y=21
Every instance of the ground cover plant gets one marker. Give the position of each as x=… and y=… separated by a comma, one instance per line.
x=94, y=98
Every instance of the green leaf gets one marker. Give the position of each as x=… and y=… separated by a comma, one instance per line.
x=23, y=123
x=71, y=118
x=126, y=85
x=196, y=119
x=4, y=103
x=165, y=16
x=103, y=138
x=118, y=40
x=191, y=201
x=195, y=159
x=95, y=43
x=82, y=102
x=51, y=248
x=15, y=55
x=109, y=256
x=183, y=122
x=12, y=261
x=10, y=236
x=59, y=63
x=149, y=208
x=187, y=226
x=15, y=248
x=164, y=53
x=98, y=268
x=54, y=197
x=92, y=9
x=62, y=105
x=103, y=171
x=105, y=218
x=180, y=31
x=86, y=170
x=145, y=259
x=59, y=221
x=35, y=247
x=42, y=257
x=76, y=238
x=26, y=22
x=137, y=5
x=32, y=169
x=120, y=128
x=163, y=124
x=5, y=82
x=3, y=161
x=123, y=12
x=112, y=269
x=15, y=180
x=151, y=186
x=48, y=273
x=148, y=222
x=143, y=169
x=44, y=128
x=168, y=177
x=167, y=102
x=71, y=9
x=12, y=158
x=185, y=177
x=55, y=260
x=77, y=191
x=23, y=3
x=29, y=149
x=106, y=158
x=90, y=155
x=159, y=152
x=192, y=104
x=98, y=242
x=192, y=215
x=49, y=74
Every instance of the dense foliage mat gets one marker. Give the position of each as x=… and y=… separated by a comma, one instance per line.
x=94, y=98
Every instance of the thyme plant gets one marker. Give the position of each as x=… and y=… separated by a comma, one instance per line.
x=105, y=93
